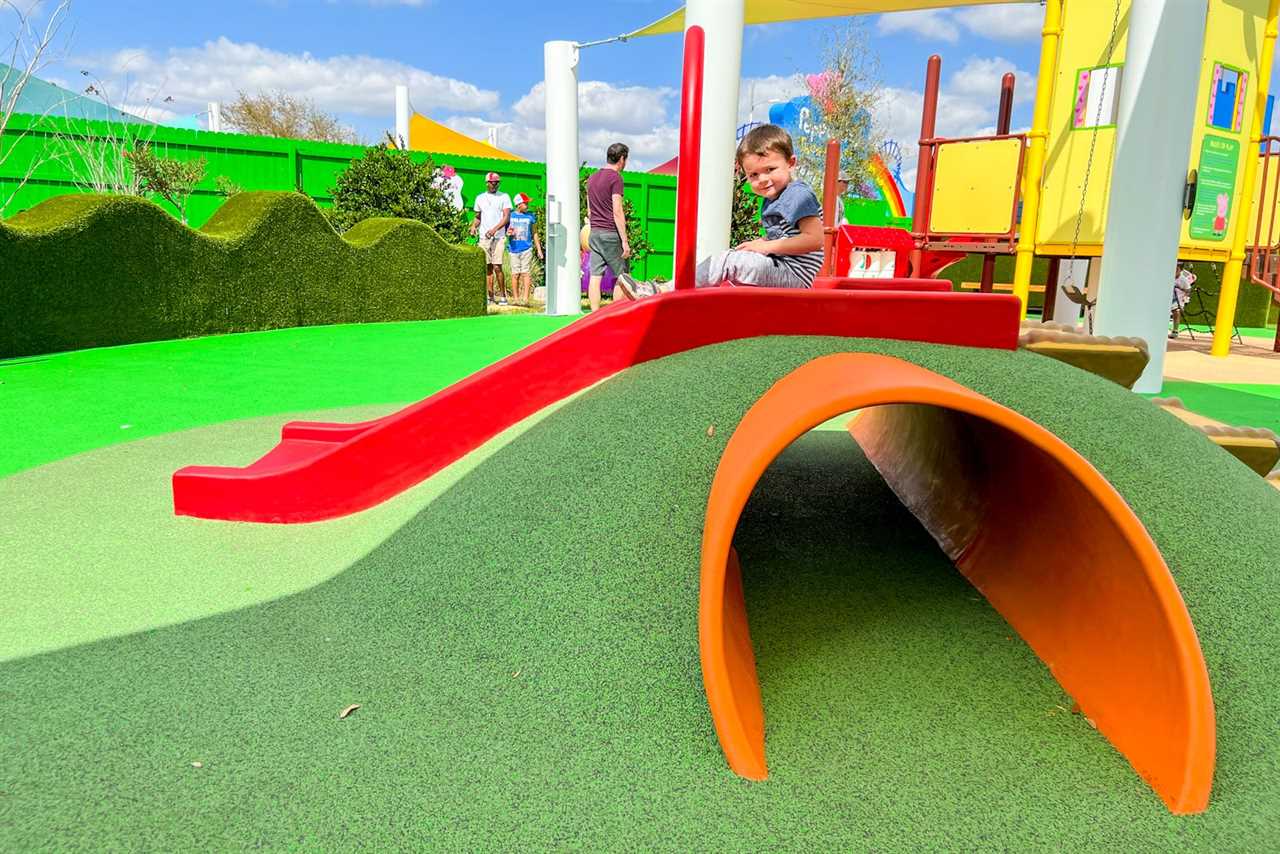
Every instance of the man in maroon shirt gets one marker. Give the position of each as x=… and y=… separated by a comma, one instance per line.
x=608, y=238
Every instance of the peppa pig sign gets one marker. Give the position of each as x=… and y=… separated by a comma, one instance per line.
x=1215, y=188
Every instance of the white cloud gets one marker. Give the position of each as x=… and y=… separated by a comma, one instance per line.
x=763, y=92
x=1003, y=23
x=980, y=78
x=649, y=148
x=928, y=24
x=359, y=85
x=640, y=116
x=626, y=109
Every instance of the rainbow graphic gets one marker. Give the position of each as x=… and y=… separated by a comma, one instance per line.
x=886, y=186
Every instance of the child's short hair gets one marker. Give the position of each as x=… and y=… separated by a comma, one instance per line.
x=764, y=139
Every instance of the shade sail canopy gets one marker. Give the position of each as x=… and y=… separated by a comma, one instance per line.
x=772, y=11
x=428, y=135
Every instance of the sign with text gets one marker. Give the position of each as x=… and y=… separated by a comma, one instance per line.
x=1215, y=187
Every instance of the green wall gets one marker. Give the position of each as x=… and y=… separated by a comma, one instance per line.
x=268, y=163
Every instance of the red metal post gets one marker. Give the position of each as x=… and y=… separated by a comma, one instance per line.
x=1004, y=115
x=690, y=155
x=829, y=178
x=924, y=162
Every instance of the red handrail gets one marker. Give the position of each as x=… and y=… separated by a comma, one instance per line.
x=829, y=179
x=690, y=157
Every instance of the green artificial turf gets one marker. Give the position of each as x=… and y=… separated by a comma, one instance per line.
x=90, y=541
x=524, y=654
x=65, y=403
x=1237, y=404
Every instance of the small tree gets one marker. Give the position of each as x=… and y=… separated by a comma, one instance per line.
x=277, y=113
x=25, y=53
x=386, y=182
x=846, y=92
x=744, y=214
x=96, y=153
x=172, y=180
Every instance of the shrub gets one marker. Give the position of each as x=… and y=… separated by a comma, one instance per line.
x=388, y=183
x=90, y=270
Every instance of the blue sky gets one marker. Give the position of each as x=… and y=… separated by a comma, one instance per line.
x=479, y=65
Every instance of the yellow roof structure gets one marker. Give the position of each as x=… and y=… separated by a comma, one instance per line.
x=771, y=11
x=427, y=135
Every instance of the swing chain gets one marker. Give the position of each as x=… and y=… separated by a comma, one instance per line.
x=1093, y=141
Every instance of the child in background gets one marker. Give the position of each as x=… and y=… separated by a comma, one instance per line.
x=790, y=253
x=524, y=239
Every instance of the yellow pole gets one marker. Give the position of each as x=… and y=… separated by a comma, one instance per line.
x=1050, y=35
x=1229, y=293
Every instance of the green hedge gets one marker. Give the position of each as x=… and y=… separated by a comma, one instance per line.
x=89, y=271
x=1254, y=306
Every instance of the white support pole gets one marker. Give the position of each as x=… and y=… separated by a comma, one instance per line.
x=215, y=117
x=1156, y=114
x=564, y=271
x=722, y=21
x=402, y=117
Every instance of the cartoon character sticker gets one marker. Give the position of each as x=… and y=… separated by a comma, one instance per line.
x=1220, y=221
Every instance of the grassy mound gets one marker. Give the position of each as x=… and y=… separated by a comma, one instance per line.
x=524, y=654
x=88, y=271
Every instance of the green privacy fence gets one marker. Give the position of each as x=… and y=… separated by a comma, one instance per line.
x=63, y=150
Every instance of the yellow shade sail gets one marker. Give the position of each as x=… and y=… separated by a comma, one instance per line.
x=427, y=135
x=772, y=11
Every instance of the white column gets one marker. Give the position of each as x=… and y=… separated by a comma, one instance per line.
x=215, y=117
x=564, y=275
x=722, y=22
x=1156, y=114
x=402, y=117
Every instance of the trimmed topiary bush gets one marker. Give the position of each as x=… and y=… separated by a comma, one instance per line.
x=88, y=271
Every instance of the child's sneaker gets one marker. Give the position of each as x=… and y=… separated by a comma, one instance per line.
x=635, y=288
x=502, y=300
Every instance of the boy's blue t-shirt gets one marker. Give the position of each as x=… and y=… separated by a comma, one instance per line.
x=521, y=226
x=780, y=218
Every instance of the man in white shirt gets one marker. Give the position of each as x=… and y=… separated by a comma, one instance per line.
x=493, y=213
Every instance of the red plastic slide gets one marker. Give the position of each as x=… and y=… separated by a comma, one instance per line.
x=322, y=471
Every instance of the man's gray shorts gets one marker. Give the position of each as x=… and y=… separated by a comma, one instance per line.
x=606, y=249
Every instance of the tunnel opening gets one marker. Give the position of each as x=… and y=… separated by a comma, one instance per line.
x=983, y=481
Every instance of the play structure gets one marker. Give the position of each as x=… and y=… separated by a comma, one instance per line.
x=1105, y=615
x=1114, y=139
x=876, y=565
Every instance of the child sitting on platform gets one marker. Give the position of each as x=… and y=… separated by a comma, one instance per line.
x=790, y=253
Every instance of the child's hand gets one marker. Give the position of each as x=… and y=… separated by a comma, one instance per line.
x=757, y=245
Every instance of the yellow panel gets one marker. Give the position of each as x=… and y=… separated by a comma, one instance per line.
x=1068, y=196
x=974, y=187
x=1267, y=206
x=1233, y=37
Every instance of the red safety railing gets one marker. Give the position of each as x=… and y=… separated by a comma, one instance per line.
x=927, y=239
x=1264, y=251
x=690, y=159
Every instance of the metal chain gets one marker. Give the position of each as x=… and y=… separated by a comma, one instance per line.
x=1093, y=141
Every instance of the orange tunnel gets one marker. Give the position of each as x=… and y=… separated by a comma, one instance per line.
x=1105, y=615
